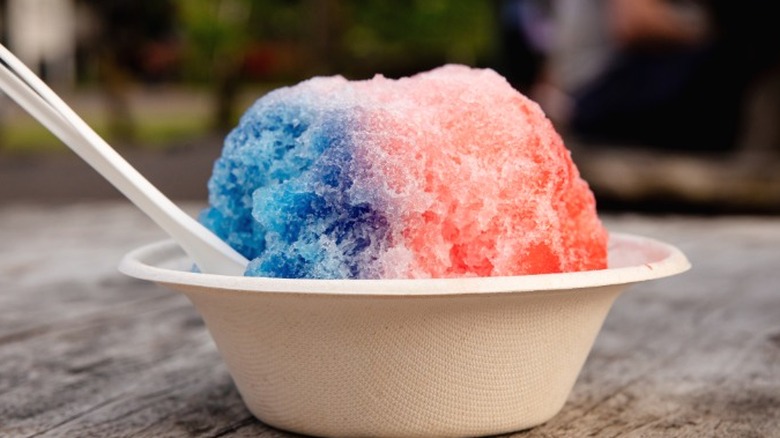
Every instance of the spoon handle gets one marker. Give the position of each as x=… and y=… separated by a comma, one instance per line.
x=210, y=253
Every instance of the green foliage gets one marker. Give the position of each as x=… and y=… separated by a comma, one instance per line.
x=455, y=31
x=366, y=34
x=215, y=31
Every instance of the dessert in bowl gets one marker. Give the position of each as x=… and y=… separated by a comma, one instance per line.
x=425, y=259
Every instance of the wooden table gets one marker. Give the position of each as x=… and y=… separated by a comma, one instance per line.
x=85, y=351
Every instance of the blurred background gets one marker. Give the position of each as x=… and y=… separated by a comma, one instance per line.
x=667, y=105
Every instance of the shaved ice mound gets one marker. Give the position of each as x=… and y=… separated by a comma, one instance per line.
x=449, y=173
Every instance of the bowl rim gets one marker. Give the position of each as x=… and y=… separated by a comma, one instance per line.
x=144, y=263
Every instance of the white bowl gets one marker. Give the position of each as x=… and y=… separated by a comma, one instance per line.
x=437, y=357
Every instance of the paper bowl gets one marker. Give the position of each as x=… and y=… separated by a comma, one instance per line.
x=438, y=357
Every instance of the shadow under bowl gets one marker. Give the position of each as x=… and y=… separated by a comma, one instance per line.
x=433, y=357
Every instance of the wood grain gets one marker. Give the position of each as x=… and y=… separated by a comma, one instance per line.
x=85, y=351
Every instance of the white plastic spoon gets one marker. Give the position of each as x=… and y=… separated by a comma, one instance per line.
x=210, y=253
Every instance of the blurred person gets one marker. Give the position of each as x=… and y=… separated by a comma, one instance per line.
x=525, y=37
x=669, y=74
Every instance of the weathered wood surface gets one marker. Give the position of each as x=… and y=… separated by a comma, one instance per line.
x=85, y=351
